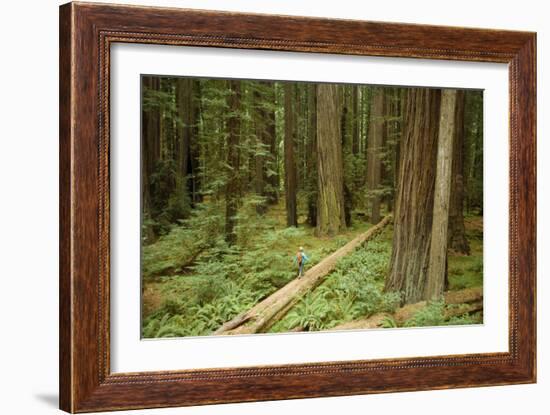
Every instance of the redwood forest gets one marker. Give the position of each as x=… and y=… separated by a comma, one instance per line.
x=279, y=206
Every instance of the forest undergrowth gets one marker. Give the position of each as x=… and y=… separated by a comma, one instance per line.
x=193, y=281
x=354, y=290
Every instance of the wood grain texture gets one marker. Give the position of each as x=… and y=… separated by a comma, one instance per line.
x=86, y=33
x=65, y=246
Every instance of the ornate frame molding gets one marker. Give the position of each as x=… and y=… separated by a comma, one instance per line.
x=86, y=33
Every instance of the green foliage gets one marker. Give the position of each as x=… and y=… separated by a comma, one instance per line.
x=196, y=281
x=198, y=306
x=464, y=319
x=353, y=290
x=249, y=222
x=159, y=101
x=389, y=322
x=310, y=313
x=223, y=281
x=202, y=282
x=466, y=271
x=169, y=199
x=432, y=315
x=183, y=243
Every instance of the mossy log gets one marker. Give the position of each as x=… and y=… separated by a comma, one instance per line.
x=461, y=302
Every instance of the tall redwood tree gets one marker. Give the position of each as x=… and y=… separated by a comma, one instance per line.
x=330, y=202
x=415, y=194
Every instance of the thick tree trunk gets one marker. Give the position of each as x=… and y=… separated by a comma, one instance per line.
x=438, y=245
x=415, y=194
x=264, y=314
x=457, y=231
x=311, y=156
x=374, y=165
x=290, y=164
x=233, y=161
x=330, y=202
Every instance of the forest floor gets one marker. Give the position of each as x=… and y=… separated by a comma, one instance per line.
x=220, y=283
x=355, y=289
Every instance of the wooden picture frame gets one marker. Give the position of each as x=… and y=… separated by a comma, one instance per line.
x=86, y=33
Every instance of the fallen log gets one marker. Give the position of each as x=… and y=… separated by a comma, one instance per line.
x=464, y=296
x=264, y=314
x=178, y=269
x=463, y=309
x=373, y=322
x=467, y=295
x=457, y=303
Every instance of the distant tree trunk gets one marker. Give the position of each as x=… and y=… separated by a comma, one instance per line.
x=259, y=182
x=259, y=159
x=477, y=176
x=415, y=194
x=473, y=177
x=311, y=159
x=248, y=142
x=290, y=164
x=386, y=173
x=346, y=132
x=161, y=115
x=438, y=245
x=271, y=140
x=195, y=179
x=155, y=124
x=299, y=137
x=390, y=141
x=171, y=129
x=457, y=231
x=233, y=162
x=374, y=165
x=145, y=151
x=184, y=104
x=150, y=137
x=366, y=98
x=187, y=150
x=330, y=205
x=344, y=114
x=356, y=103
x=348, y=204
x=397, y=132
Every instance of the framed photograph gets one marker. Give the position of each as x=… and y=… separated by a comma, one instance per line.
x=258, y=207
